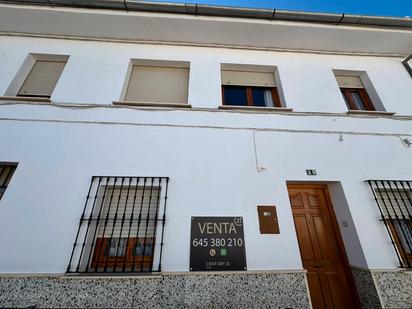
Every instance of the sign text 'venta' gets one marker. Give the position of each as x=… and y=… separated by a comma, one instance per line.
x=217, y=228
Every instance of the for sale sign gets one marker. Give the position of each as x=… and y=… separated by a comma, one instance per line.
x=217, y=243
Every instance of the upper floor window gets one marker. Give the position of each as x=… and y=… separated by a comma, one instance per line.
x=354, y=93
x=42, y=78
x=249, y=88
x=6, y=172
x=158, y=82
x=38, y=76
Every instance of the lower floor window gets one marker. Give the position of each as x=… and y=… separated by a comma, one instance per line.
x=122, y=226
x=394, y=199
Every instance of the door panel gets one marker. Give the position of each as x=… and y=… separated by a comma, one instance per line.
x=328, y=249
x=305, y=243
x=329, y=279
x=315, y=287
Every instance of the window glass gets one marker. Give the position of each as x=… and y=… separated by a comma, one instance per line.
x=262, y=97
x=139, y=248
x=358, y=100
x=404, y=232
x=235, y=95
x=117, y=247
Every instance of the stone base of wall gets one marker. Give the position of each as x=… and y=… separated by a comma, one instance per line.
x=383, y=289
x=394, y=288
x=225, y=290
x=367, y=292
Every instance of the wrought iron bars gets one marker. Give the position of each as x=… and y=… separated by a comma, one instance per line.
x=118, y=227
x=6, y=172
x=394, y=200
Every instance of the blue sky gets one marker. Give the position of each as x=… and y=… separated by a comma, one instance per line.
x=400, y=8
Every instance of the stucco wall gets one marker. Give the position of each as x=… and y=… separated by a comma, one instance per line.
x=96, y=71
x=210, y=156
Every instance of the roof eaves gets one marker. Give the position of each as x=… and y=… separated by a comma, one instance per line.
x=226, y=11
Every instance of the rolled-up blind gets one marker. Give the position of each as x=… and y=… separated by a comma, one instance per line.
x=42, y=78
x=125, y=202
x=245, y=78
x=349, y=81
x=158, y=84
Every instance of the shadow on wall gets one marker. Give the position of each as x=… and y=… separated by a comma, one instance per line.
x=347, y=228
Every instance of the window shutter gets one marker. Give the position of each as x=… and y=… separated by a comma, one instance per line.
x=158, y=84
x=114, y=205
x=349, y=81
x=244, y=78
x=42, y=78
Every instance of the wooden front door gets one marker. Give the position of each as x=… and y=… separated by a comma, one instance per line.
x=321, y=248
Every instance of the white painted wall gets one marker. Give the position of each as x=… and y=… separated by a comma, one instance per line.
x=209, y=155
x=96, y=71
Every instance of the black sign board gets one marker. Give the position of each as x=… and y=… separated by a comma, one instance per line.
x=217, y=243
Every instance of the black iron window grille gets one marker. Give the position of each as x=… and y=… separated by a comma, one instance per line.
x=6, y=172
x=122, y=226
x=394, y=200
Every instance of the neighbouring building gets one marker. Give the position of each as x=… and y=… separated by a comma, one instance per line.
x=184, y=155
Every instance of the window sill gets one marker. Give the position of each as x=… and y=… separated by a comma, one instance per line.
x=371, y=113
x=20, y=98
x=152, y=104
x=256, y=108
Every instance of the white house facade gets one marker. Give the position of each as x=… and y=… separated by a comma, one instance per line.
x=172, y=155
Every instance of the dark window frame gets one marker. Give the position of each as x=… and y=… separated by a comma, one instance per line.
x=346, y=92
x=101, y=258
x=33, y=96
x=249, y=95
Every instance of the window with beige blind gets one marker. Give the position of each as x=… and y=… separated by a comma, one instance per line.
x=158, y=84
x=42, y=78
x=354, y=93
x=249, y=88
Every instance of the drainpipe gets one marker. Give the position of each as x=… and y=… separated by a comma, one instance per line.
x=407, y=65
